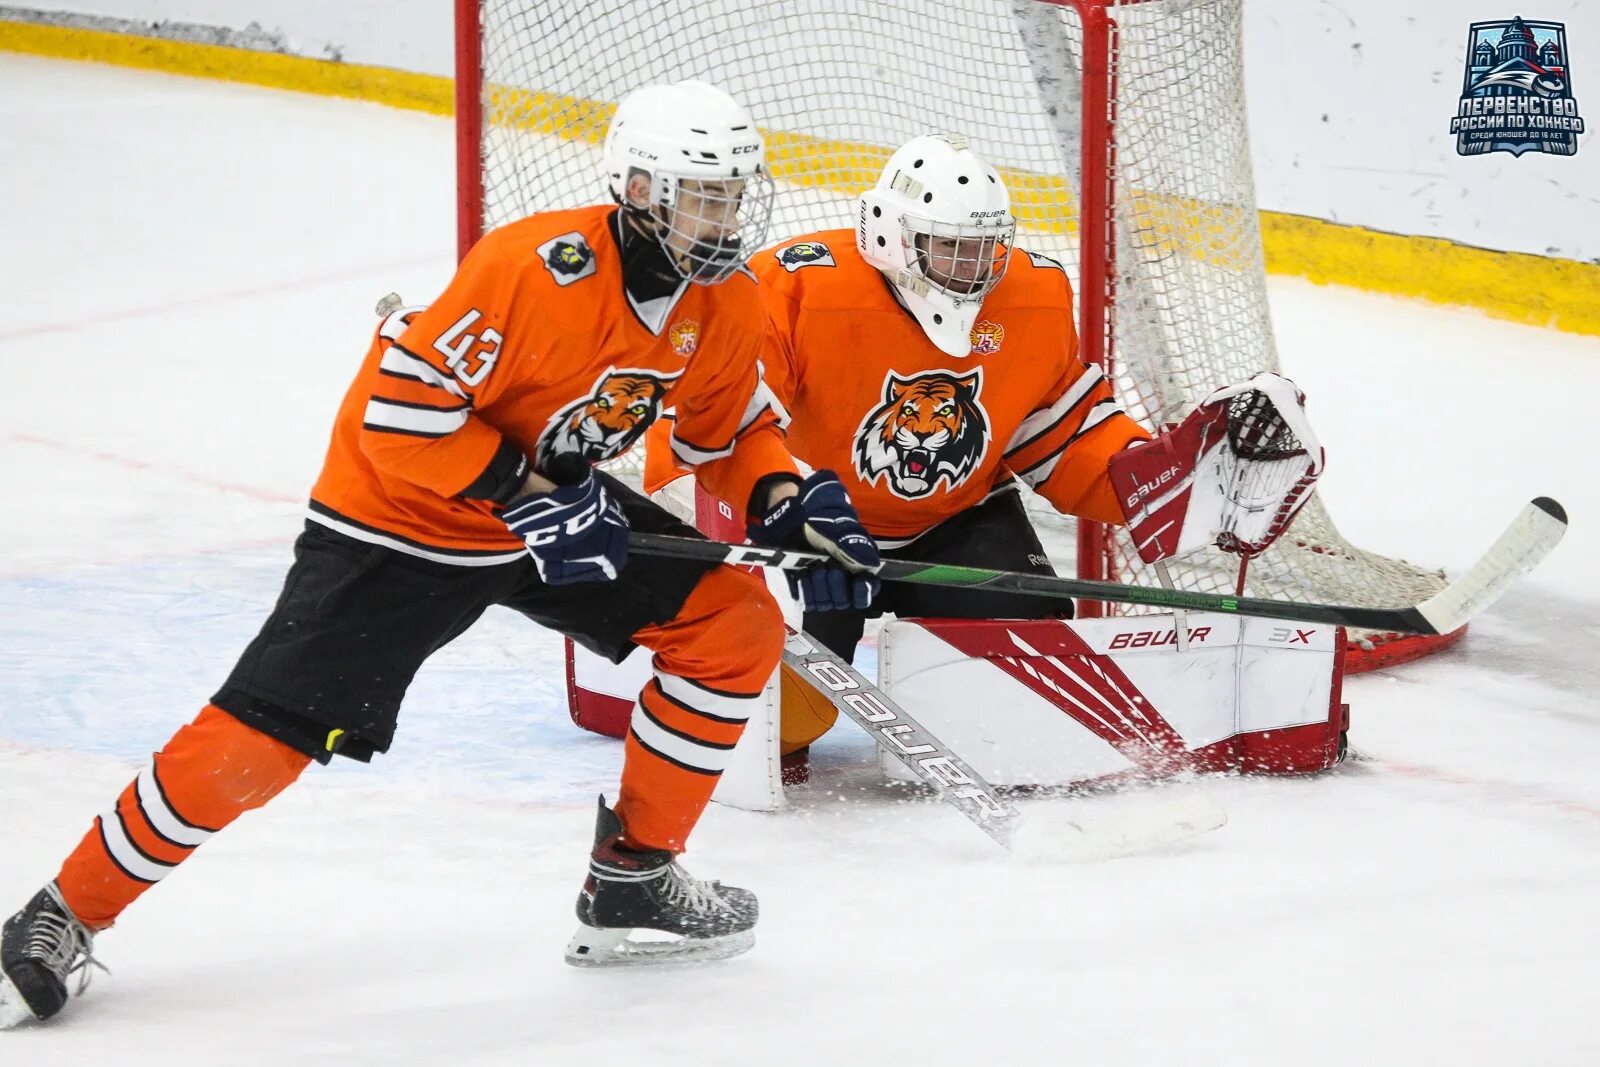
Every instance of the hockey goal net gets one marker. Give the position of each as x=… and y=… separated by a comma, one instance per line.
x=1119, y=124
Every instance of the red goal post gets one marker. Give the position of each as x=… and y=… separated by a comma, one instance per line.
x=1144, y=99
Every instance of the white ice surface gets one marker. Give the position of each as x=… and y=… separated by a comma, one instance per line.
x=187, y=271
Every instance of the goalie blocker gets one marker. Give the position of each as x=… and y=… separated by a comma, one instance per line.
x=1048, y=702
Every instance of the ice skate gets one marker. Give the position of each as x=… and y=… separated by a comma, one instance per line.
x=41, y=947
x=642, y=907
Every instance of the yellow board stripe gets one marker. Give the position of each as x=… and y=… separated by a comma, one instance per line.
x=418, y=92
x=1042, y=203
x=1538, y=290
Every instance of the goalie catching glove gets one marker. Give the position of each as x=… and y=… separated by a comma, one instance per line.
x=821, y=518
x=576, y=532
x=1233, y=474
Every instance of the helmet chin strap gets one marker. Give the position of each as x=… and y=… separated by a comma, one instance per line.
x=710, y=259
x=703, y=259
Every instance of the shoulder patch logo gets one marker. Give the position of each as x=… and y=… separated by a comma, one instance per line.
x=618, y=409
x=1044, y=261
x=805, y=254
x=986, y=337
x=568, y=258
x=930, y=427
x=684, y=337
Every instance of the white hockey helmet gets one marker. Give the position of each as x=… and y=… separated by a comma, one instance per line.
x=939, y=225
x=687, y=160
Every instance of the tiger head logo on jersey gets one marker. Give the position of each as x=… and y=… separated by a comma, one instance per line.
x=619, y=408
x=930, y=427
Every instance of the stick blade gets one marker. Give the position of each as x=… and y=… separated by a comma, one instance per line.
x=1527, y=541
x=1111, y=825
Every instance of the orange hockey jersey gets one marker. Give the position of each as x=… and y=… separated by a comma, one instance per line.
x=915, y=434
x=536, y=342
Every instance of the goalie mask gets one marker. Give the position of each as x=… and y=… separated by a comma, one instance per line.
x=685, y=161
x=939, y=225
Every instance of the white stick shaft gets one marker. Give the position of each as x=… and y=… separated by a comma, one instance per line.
x=898, y=734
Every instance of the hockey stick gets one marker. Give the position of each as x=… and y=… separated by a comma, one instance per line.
x=1097, y=828
x=1529, y=538
x=900, y=735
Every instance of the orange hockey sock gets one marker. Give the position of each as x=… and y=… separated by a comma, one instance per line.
x=211, y=772
x=712, y=662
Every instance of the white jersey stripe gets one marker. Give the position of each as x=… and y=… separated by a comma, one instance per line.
x=373, y=537
x=386, y=415
x=163, y=819
x=127, y=855
x=395, y=324
x=1040, y=473
x=1097, y=414
x=1041, y=420
x=398, y=361
x=763, y=399
x=693, y=456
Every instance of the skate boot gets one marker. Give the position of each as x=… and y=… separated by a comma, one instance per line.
x=41, y=947
x=680, y=918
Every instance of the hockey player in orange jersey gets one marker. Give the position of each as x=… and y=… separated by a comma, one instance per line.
x=458, y=477
x=935, y=366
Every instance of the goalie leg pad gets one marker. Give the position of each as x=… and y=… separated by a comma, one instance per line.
x=1099, y=700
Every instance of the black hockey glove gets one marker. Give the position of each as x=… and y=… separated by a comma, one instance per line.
x=575, y=533
x=822, y=519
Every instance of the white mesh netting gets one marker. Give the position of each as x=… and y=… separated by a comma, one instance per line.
x=837, y=84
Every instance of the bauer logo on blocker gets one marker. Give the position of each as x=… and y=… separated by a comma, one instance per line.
x=1516, y=95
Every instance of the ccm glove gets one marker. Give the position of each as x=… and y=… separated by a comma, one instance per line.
x=821, y=518
x=575, y=533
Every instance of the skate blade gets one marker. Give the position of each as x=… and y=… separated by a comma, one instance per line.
x=593, y=947
x=14, y=1011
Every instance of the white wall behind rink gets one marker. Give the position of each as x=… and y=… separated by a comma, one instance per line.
x=1350, y=104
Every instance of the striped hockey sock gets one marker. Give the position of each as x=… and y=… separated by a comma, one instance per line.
x=211, y=772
